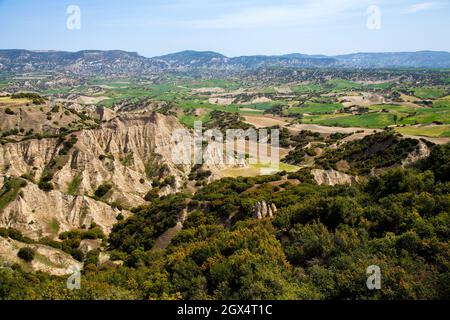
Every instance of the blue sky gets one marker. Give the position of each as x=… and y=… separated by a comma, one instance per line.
x=232, y=27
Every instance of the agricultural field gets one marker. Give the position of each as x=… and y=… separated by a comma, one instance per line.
x=428, y=131
x=256, y=170
x=8, y=101
x=315, y=108
x=336, y=102
x=367, y=120
x=430, y=92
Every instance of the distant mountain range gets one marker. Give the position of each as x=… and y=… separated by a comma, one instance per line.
x=95, y=62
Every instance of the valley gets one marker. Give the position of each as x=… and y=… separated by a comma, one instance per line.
x=88, y=177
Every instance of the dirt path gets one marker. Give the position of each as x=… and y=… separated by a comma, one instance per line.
x=265, y=121
x=330, y=130
x=269, y=121
x=164, y=240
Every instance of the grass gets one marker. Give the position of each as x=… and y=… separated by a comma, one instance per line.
x=430, y=92
x=54, y=226
x=162, y=92
x=188, y=119
x=342, y=85
x=255, y=170
x=308, y=88
x=74, y=185
x=10, y=191
x=215, y=83
x=13, y=102
x=128, y=160
x=428, y=116
x=427, y=131
x=263, y=105
x=314, y=108
x=384, y=85
x=367, y=120
x=442, y=103
x=394, y=108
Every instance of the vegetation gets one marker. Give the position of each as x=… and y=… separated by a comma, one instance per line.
x=140, y=231
x=34, y=97
x=8, y=111
x=380, y=150
x=102, y=190
x=317, y=247
x=321, y=239
x=10, y=190
x=74, y=185
x=26, y=254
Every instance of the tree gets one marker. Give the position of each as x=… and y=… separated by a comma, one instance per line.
x=102, y=190
x=26, y=254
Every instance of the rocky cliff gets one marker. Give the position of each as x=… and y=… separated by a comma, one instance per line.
x=332, y=177
x=127, y=153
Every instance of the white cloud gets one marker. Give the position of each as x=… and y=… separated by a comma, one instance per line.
x=308, y=13
x=421, y=7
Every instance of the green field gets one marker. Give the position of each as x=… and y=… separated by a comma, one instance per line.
x=215, y=83
x=428, y=116
x=342, y=85
x=315, y=108
x=430, y=92
x=255, y=170
x=367, y=120
x=188, y=120
x=427, y=131
x=263, y=105
x=308, y=88
x=395, y=108
x=442, y=103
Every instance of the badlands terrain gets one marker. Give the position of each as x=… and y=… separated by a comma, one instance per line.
x=88, y=179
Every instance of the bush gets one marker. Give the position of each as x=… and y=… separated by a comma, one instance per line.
x=102, y=190
x=77, y=254
x=26, y=254
x=37, y=99
x=45, y=186
x=152, y=195
x=9, y=111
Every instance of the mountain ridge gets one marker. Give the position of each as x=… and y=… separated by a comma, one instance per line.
x=94, y=62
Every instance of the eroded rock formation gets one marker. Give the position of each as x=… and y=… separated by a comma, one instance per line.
x=263, y=210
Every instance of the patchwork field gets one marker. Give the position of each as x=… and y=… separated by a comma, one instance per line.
x=256, y=170
x=427, y=131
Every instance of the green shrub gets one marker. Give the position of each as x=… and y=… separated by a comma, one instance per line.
x=9, y=111
x=36, y=98
x=26, y=254
x=102, y=190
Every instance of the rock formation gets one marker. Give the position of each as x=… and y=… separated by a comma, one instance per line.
x=332, y=177
x=263, y=210
x=126, y=152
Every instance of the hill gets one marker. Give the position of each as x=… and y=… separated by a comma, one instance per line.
x=95, y=62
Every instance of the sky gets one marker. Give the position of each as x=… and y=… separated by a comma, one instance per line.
x=231, y=27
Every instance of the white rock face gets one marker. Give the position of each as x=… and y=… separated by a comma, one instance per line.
x=55, y=262
x=421, y=152
x=332, y=177
x=89, y=245
x=45, y=214
x=263, y=210
x=119, y=153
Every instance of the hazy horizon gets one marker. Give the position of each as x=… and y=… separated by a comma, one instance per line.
x=232, y=28
x=212, y=51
